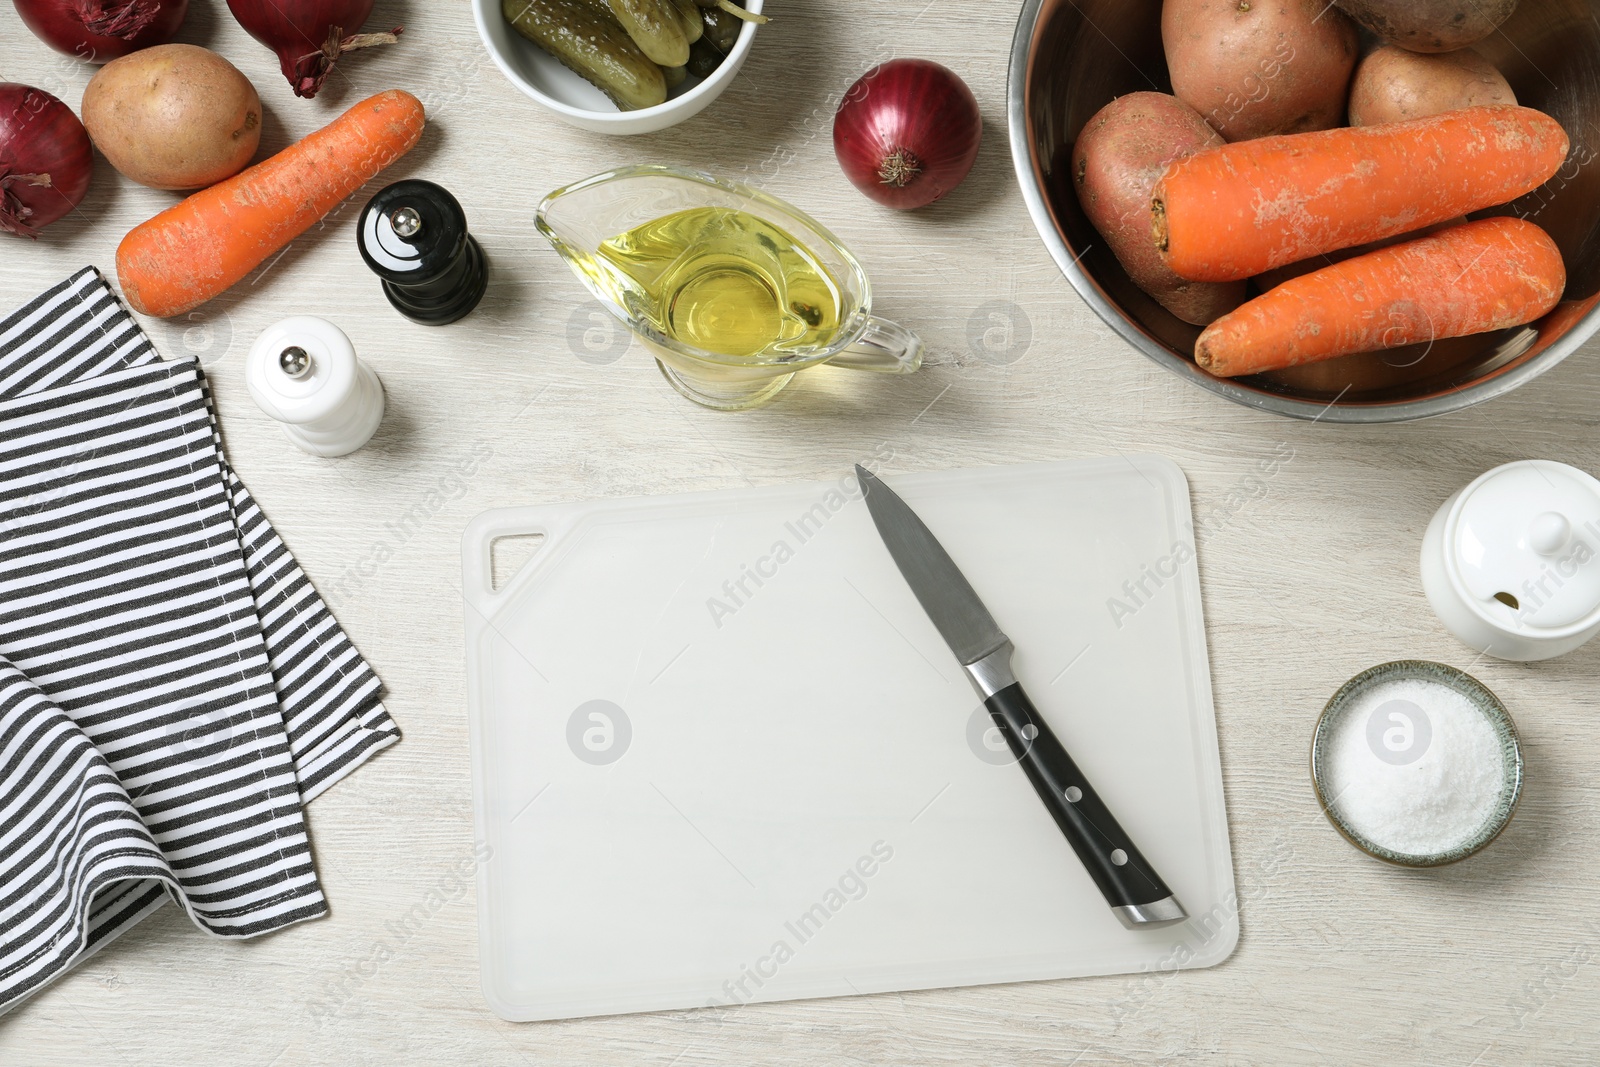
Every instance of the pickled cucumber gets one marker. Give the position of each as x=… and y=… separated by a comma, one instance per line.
x=704, y=57
x=654, y=27
x=675, y=76
x=735, y=8
x=721, y=27
x=594, y=46
x=689, y=19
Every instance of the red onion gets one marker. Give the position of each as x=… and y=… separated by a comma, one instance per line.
x=308, y=35
x=907, y=133
x=45, y=159
x=102, y=30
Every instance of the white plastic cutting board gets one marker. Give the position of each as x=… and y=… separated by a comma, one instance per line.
x=808, y=801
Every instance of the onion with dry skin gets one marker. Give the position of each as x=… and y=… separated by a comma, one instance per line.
x=101, y=30
x=907, y=132
x=45, y=159
x=309, y=35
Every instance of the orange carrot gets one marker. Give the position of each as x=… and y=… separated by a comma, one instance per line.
x=1244, y=208
x=1274, y=278
x=196, y=249
x=1472, y=278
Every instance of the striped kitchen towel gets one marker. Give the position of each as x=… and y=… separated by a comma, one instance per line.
x=330, y=696
x=70, y=832
x=149, y=612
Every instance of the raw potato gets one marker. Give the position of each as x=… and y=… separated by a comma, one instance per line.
x=173, y=117
x=1120, y=154
x=1393, y=85
x=1430, y=25
x=1260, y=67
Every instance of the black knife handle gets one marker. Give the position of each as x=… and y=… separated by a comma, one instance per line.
x=1124, y=876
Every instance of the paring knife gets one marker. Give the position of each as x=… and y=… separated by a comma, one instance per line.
x=1137, y=894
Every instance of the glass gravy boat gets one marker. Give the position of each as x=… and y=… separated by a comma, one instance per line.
x=578, y=219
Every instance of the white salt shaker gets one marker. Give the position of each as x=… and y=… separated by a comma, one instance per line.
x=1511, y=563
x=304, y=372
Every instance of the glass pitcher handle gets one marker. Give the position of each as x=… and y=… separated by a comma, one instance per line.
x=885, y=347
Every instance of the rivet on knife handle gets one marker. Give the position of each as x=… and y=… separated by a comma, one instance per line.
x=1130, y=885
x=1126, y=879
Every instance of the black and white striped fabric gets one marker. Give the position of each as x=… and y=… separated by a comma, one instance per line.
x=74, y=331
x=162, y=657
x=70, y=832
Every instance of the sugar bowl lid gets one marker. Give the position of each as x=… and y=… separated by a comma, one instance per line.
x=1524, y=543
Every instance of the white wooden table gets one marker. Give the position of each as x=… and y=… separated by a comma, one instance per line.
x=1309, y=575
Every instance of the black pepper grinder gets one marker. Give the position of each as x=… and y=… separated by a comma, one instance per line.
x=414, y=236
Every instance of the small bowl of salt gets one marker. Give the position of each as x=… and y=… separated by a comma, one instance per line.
x=1416, y=763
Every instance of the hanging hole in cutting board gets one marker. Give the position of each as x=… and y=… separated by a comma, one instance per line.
x=508, y=555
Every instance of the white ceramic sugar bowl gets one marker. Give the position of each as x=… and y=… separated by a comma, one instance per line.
x=1511, y=563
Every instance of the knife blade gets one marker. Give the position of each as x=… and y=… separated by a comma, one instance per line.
x=1131, y=886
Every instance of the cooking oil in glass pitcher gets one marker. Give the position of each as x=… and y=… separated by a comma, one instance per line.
x=723, y=281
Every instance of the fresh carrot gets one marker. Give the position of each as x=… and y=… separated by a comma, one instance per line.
x=196, y=249
x=1244, y=208
x=1274, y=278
x=1473, y=278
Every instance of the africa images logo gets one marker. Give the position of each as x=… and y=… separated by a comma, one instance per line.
x=599, y=732
x=1399, y=732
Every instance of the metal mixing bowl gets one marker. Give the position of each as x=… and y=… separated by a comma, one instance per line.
x=1071, y=57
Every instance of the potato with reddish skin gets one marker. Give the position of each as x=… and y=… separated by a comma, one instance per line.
x=1254, y=68
x=1430, y=25
x=175, y=116
x=1116, y=162
x=1393, y=85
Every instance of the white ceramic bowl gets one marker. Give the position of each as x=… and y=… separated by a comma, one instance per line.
x=542, y=77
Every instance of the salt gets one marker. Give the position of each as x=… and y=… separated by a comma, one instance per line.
x=1414, y=767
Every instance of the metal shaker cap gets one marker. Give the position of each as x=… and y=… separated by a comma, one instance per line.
x=413, y=235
